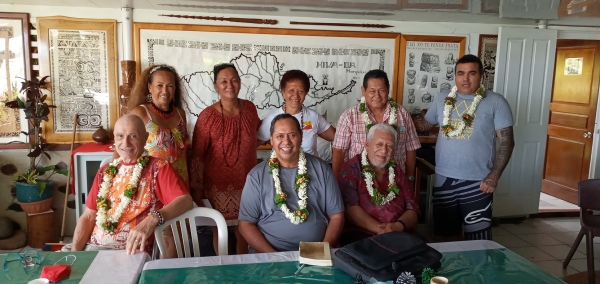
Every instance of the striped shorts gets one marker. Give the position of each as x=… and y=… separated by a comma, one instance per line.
x=458, y=203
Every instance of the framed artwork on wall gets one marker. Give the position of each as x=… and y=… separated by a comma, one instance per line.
x=80, y=56
x=488, y=45
x=15, y=66
x=335, y=62
x=427, y=68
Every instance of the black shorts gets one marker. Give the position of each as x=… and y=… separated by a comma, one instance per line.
x=457, y=203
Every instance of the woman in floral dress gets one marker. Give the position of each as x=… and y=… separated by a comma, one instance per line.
x=156, y=99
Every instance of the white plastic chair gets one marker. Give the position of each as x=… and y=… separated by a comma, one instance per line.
x=106, y=161
x=190, y=216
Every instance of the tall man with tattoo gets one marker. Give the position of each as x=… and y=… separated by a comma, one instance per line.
x=468, y=166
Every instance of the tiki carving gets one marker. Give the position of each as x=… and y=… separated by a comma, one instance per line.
x=128, y=76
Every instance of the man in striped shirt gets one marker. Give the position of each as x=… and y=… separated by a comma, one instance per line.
x=351, y=134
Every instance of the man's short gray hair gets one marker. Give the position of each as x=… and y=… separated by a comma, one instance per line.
x=384, y=127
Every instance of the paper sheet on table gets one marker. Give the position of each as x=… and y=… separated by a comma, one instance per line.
x=204, y=221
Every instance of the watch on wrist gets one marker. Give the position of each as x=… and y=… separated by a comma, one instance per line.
x=411, y=178
x=403, y=224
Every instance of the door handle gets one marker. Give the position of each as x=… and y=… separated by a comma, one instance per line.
x=587, y=135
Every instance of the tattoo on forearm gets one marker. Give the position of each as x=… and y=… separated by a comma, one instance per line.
x=507, y=143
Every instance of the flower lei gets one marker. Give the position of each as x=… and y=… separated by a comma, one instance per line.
x=467, y=118
x=103, y=203
x=368, y=172
x=302, y=179
x=393, y=113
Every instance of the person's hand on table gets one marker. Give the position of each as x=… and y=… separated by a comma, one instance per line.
x=138, y=236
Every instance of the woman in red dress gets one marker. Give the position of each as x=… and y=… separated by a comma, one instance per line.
x=224, y=150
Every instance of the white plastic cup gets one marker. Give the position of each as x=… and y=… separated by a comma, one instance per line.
x=439, y=280
x=39, y=281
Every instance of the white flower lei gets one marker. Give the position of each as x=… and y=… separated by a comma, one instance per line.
x=302, y=179
x=467, y=118
x=393, y=119
x=368, y=173
x=109, y=223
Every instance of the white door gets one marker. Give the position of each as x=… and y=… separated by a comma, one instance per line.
x=524, y=72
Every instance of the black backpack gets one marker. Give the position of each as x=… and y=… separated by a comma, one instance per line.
x=384, y=257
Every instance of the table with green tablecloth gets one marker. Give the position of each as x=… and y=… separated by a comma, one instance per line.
x=106, y=266
x=463, y=262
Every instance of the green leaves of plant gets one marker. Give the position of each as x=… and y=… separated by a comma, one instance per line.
x=41, y=186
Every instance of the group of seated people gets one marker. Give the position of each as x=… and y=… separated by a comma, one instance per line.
x=318, y=203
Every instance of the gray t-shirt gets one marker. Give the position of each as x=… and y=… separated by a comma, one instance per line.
x=258, y=204
x=471, y=155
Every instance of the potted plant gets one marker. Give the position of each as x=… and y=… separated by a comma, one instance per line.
x=32, y=186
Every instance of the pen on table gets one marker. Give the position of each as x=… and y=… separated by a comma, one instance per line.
x=301, y=266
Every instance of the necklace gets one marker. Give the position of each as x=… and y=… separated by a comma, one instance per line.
x=392, y=120
x=301, y=116
x=302, y=179
x=162, y=113
x=368, y=173
x=467, y=118
x=237, y=135
x=103, y=203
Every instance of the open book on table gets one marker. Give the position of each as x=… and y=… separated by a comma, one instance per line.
x=315, y=253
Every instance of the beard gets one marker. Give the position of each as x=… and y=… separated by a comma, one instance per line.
x=379, y=166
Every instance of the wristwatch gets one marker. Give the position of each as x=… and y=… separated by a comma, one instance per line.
x=403, y=224
x=411, y=178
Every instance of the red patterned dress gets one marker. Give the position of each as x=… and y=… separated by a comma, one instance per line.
x=226, y=147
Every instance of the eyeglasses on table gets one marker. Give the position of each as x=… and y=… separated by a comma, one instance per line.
x=29, y=259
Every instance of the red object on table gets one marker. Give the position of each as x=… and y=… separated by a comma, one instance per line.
x=56, y=272
x=86, y=148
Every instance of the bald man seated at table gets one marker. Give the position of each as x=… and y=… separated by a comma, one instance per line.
x=130, y=196
x=276, y=217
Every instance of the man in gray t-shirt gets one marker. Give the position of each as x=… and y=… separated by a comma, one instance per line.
x=263, y=222
x=468, y=166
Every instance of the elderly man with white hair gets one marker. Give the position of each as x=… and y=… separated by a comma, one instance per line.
x=130, y=196
x=376, y=192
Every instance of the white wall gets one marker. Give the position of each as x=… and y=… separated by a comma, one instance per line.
x=456, y=24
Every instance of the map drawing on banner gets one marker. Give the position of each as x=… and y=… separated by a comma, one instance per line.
x=12, y=70
x=335, y=66
x=79, y=79
x=429, y=68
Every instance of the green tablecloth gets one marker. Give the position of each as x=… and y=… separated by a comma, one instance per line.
x=492, y=266
x=495, y=266
x=17, y=274
x=275, y=272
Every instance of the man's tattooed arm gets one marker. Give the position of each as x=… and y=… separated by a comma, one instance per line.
x=507, y=143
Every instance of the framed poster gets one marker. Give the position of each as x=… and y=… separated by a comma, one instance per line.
x=15, y=66
x=427, y=68
x=488, y=44
x=335, y=61
x=574, y=66
x=80, y=57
